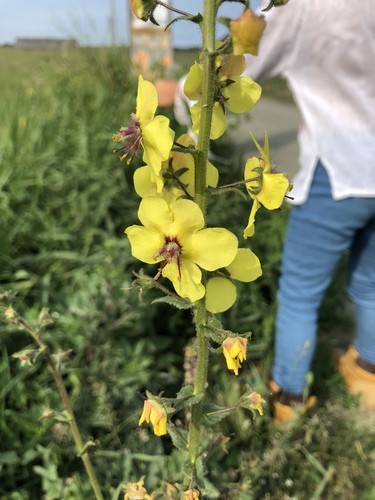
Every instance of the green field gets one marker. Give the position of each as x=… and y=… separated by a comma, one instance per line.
x=65, y=200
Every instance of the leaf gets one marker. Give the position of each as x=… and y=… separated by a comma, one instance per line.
x=185, y=392
x=178, y=436
x=177, y=302
x=218, y=413
x=194, y=19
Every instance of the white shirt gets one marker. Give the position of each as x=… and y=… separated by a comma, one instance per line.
x=326, y=51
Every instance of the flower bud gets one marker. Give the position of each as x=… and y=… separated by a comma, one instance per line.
x=246, y=32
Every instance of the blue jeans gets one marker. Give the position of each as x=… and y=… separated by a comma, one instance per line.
x=318, y=234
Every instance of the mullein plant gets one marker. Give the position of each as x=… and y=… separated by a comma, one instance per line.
x=196, y=266
x=200, y=262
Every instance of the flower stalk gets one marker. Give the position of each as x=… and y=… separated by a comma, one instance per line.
x=200, y=312
x=81, y=449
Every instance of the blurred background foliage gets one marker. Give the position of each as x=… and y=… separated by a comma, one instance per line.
x=65, y=200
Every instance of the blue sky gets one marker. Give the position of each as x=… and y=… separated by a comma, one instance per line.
x=89, y=20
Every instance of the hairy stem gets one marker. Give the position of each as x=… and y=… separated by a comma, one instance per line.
x=201, y=157
x=68, y=408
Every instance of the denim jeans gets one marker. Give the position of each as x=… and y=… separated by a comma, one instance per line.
x=318, y=234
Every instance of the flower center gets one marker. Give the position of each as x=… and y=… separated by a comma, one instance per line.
x=170, y=251
x=130, y=137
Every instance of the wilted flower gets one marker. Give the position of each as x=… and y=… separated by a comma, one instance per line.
x=246, y=32
x=235, y=92
x=253, y=401
x=178, y=173
x=154, y=413
x=221, y=292
x=143, y=9
x=136, y=491
x=265, y=187
x=147, y=130
x=234, y=349
x=174, y=236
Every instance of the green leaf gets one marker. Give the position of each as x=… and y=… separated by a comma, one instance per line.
x=177, y=302
x=179, y=437
x=185, y=392
x=218, y=413
x=197, y=19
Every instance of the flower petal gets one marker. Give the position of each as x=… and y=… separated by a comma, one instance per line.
x=143, y=184
x=245, y=267
x=232, y=67
x=147, y=101
x=220, y=295
x=187, y=218
x=145, y=243
x=186, y=278
x=274, y=189
x=212, y=248
x=250, y=229
x=219, y=122
x=242, y=94
x=154, y=213
x=193, y=82
x=157, y=142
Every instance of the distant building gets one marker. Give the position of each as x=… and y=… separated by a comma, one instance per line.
x=46, y=43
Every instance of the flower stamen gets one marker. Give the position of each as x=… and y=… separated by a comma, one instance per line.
x=170, y=253
x=131, y=137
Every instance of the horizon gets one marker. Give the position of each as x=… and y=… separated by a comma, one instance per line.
x=93, y=23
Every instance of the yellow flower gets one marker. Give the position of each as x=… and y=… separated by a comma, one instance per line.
x=246, y=32
x=143, y=9
x=238, y=94
x=178, y=173
x=146, y=130
x=265, y=187
x=221, y=292
x=234, y=349
x=154, y=413
x=174, y=237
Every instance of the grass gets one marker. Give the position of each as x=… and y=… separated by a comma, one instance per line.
x=64, y=202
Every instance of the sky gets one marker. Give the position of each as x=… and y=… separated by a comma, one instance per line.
x=89, y=21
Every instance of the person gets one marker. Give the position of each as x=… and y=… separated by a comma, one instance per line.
x=326, y=52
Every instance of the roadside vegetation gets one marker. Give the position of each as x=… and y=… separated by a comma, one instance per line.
x=65, y=200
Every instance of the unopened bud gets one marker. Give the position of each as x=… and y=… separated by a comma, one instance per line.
x=247, y=31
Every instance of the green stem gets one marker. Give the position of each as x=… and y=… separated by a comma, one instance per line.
x=200, y=381
x=68, y=409
x=207, y=101
x=200, y=313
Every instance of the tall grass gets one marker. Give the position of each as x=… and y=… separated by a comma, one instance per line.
x=65, y=200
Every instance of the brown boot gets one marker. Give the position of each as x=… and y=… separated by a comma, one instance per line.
x=287, y=411
x=358, y=381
